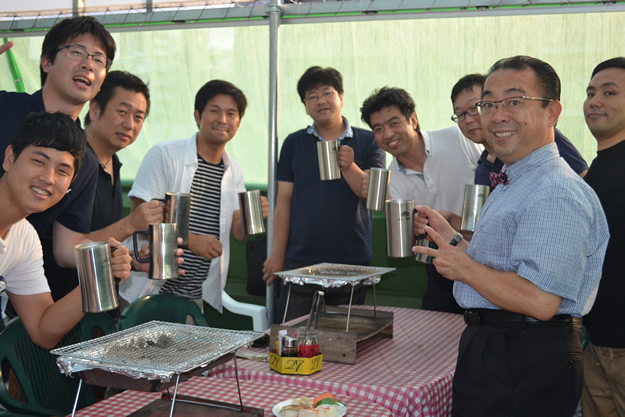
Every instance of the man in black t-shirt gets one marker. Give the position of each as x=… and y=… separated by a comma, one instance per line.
x=604, y=357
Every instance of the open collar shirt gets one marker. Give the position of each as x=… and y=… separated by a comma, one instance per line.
x=349, y=133
x=547, y=225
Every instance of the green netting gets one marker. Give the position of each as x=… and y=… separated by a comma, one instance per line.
x=425, y=56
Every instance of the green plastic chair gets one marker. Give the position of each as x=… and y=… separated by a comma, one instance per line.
x=48, y=392
x=164, y=307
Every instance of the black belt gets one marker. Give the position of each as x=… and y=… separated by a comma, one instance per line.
x=481, y=316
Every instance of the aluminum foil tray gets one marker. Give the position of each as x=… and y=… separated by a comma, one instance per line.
x=331, y=275
x=155, y=349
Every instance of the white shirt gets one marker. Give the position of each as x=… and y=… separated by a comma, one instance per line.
x=450, y=164
x=21, y=262
x=170, y=166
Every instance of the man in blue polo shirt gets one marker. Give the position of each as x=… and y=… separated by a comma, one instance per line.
x=322, y=221
x=75, y=57
x=532, y=268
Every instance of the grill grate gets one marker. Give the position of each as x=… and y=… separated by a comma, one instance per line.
x=158, y=345
x=334, y=275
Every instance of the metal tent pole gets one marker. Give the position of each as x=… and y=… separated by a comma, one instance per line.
x=275, y=10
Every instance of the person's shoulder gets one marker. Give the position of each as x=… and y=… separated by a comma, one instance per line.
x=451, y=133
x=297, y=134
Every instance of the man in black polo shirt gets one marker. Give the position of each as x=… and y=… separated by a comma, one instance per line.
x=114, y=121
x=75, y=57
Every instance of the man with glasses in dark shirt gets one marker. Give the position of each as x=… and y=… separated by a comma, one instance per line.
x=75, y=56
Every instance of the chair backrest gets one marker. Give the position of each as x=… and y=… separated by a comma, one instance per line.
x=46, y=390
x=164, y=307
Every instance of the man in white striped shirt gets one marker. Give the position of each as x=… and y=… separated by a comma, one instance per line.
x=200, y=166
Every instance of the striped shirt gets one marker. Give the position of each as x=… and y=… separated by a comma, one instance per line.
x=548, y=226
x=203, y=220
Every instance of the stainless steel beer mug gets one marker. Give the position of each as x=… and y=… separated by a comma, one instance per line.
x=251, y=210
x=475, y=196
x=399, y=233
x=95, y=274
x=177, y=208
x=424, y=242
x=327, y=151
x=163, y=242
x=379, y=180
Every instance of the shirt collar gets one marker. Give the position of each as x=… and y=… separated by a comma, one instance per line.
x=531, y=161
x=349, y=133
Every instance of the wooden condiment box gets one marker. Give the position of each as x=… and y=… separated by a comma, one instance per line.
x=336, y=344
x=295, y=365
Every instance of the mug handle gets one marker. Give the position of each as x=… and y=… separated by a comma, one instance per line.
x=135, y=245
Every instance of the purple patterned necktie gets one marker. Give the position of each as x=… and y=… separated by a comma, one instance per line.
x=496, y=179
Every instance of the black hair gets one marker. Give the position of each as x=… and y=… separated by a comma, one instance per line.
x=122, y=79
x=467, y=83
x=546, y=77
x=618, y=62
x=215, y=87
x=386, y=97
x=51, y=130
x=315, y=76
x=68, y=29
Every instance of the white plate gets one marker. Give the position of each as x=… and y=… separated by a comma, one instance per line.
x=276, y=408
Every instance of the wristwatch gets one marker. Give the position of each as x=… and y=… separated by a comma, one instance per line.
x=457, y=239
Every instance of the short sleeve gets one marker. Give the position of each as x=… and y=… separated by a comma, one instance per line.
x=376, y=157
x=27, y=276
x=285, y=163
x=151, y=179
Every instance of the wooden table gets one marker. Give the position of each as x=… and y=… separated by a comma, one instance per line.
x=410, y=374
x=255, y=394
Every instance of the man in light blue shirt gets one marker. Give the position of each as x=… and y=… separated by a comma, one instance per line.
x=533, y=266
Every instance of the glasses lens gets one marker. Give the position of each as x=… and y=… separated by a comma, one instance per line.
x=455, y=118
x=76, y=53
x=486, y=107
x=472, y=111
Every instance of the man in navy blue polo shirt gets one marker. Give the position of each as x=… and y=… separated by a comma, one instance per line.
x=75, y=57
x=322, y=221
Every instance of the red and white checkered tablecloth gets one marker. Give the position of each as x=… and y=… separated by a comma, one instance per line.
x=254, y=394
x=410, y=374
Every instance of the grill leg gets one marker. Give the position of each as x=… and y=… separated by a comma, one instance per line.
x=236, y=373
x=76, y=400
x=173, y=401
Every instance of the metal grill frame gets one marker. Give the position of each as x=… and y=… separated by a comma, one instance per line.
x=94, y=350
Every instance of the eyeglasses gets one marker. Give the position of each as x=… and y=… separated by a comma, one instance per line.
x=471, y=111
x=78, y=53
x=512, y=104
x=313, y=98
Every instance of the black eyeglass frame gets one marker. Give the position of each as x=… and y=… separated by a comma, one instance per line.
x=108, y=61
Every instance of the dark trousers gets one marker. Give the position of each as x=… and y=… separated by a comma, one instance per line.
x=300, y=300
x=518, y=370
x=439, y=294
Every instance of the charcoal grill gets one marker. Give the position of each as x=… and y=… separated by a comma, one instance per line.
x=331, y=275
x=152, y=356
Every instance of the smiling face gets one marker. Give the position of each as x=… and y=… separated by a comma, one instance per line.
x=120, y=123
x=393, y=132
x=219, y=120
x=75, y=82
x=515, y=134
x=323, y=103
x=604, y=108
x=471, y=126
x=38, y=178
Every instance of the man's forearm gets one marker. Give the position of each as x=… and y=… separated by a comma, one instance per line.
x=353, y=176
x=120, y=230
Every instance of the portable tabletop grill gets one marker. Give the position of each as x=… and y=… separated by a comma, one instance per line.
x=152, y=356
x=329, y=275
